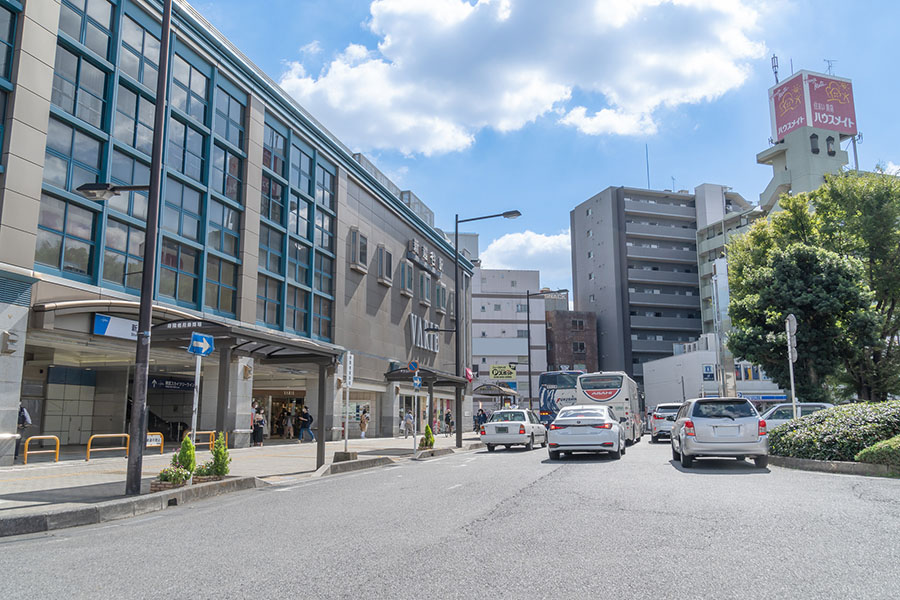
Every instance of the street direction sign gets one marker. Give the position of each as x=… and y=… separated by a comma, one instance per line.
x=417, y=382
x=413, y=366
x=349, y=374
x=201, y=344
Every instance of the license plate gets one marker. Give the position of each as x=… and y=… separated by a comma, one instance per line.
x=503, y=430
x=727, y=431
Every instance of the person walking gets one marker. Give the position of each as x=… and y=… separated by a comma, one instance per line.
x=288, y=426
x=448, y=423
x=23, y=422
x=409, y=424
x=363, y=423
x=259, y=426
x=306, y=421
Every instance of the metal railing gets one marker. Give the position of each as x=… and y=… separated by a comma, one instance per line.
x=108, y=436
x=162, y=440
x=210, y=443
x=42, y=437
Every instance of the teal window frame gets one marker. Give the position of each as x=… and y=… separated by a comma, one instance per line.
x=186, y=150
x=134, y=124
x=131, y=252
x=89, y=16
x=190, y=89
x=269, y=300
x=75, y=93
x=7, y=40
x=324, y=187
x=299, y=262
x=146, y=55
x=68, y=236
x=297, y=313
x=76, y=167
x=271, y=204
x=218, y=288
x=226, y=172
x=271, y=250
x=324, y=230
x=323, y=278
x=323, y=317
x=125, y=169
x=180, y=273
x=228, y=123
x=274, y=150
x=176, y=213
x=223, y=228
x=298, y=216
x=301, y=176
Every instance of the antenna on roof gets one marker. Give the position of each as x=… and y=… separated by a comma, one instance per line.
x=829, y=65
x=775, y=67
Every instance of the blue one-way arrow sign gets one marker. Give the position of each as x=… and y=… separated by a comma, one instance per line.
x=201, y=344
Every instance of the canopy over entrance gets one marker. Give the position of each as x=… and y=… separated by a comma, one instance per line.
x=430, y=378
x=494, y=390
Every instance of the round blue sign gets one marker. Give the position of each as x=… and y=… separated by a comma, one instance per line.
x=413, y=366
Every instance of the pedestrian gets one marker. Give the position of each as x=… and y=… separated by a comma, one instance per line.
x=23, y=422
x=288, y=426
x=448, y=421
x=259, y=425
x=482, y=417
x=363, y=423
x=306, y=421
x=254, y=408
x=409, y=424
x=402, y=423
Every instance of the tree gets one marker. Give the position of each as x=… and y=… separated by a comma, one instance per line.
x=777, y=269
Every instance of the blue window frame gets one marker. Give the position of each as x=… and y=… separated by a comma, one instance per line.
x=134, y=120
x=190, y=91
x=226, y=173
x=268, y=301
x=88, y=22
x=298, y=217
x=297, y=310
x=187, y=149
x=72, y=157
x=65, y=237
x=323, y=310
x=179, y=265
x=301, y=170
x=324, y=188
x=271, y=250
x=126, y=170
x=229, y=120
x=140, y=53
x=7, y=40
x=324, y=231
x=221, y=285
x=79, y=87
x=181, y=211
x=272, y=200
x=323, y=274
x=123, y=256
x=299, y=261
x=223, y=229
x=273, y=150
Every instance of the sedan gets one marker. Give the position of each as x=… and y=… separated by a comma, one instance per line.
x=782, y=413
x=727, y=427
x=513, y=427
x=661, y=420
x=587, y=429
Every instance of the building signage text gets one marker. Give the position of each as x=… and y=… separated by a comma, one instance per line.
x=503, y=372
x=170, y=383
x=420, y=338
x=115, y=327
x=426, y=258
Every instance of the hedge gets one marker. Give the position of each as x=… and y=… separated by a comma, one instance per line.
x=839, y=433
x=886, y=452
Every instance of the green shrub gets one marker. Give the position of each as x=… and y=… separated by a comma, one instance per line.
x=186, y=458
x=174, y=474
x=885, y=452
x=204, y=470
x=838, y=433
x=220, y=458
x=427, y=440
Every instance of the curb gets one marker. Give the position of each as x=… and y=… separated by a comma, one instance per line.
x=432, y=452
x=835, y=466
x=472, y=446
x=123, y=508
x=352, y=465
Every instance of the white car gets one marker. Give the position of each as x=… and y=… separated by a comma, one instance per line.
x=587, y=429
x=662, y=419
x=513, y=427
x=782, y=413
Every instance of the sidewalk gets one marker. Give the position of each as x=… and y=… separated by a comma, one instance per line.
x=43, y=486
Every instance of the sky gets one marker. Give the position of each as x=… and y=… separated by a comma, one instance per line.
x=482, y=106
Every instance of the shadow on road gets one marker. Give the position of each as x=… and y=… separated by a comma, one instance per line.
x=583, y=458
x=720, y=466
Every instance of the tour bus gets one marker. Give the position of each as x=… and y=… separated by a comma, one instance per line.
x=618, y=391
x=556, y=389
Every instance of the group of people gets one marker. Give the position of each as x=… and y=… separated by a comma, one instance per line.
x=437, y=422
x=286, y=422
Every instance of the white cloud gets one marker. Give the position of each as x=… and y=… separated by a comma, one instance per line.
x=892, y=168
x=445, y=69
x=311, y=49
x=549, y=254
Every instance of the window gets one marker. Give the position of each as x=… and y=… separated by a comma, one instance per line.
x=483, y=308
x=7, y=41
x=520, y=308
x=134, y=120
x=588, y=212
x=226, y=173
x=301, y=170
x=324, y=231
x=222, y=234
x=814, y=143
x=359, y=250
x=322, y=316
x=268, y=301
x=521, y=333
x=178, y=272
x=271, y=254
x=590, y=233
x=440, y=297
x=590, y=254
x=578, y=347
x=124, y=254
x=140, y=53
x=229, y=119
x=129, y=171
x=496, y=307
x=385, y=263
x=297, y=309
x=221, y=284
x=451, y=307
x=512, y=283
x=323, y=274
x=79, y=88
x=190, y=87
x=298, y=262
x=324, y=187
x=65, y=236
x=298, y=217
x=424, y=288
x=272, y=202
x=72, y=158
x=592, y=298
x=577, y=324
x=406, y=278
x=591, y=276
x=88, y=23
x=273, y=150
x=181, y=211
x=829, y=146
x=186, y=149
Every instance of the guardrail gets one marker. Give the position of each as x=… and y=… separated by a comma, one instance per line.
x=210, y=443
x=162, y=440
x=108, y=436
x=42, y=437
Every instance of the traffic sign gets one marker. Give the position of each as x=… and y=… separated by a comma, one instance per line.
x=413, y=366
x=201, y=344
x=349, y=374
x=417, y=382
x=791, y=324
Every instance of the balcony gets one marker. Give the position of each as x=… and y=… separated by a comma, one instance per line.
x=662, y=232
x=669, y=300
x=666, y=323
x=655, y=346
x=668, y=210
x=716, y=242
x=644, y=276
x=662, y=254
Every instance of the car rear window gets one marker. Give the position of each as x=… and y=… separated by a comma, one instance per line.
x=724, y=409
x=506, y=416
x=582, y=414
x=673, y=408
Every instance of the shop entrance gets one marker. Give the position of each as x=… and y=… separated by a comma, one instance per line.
x=280, y=409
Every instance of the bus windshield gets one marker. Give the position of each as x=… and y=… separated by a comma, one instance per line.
x=601, y=382
x=558, y=380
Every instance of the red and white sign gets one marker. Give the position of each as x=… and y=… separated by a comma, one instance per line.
x=601, y=395
x=831, y=101
x=469, y=375
x=788, y=105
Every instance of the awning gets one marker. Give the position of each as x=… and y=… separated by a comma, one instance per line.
x=429, y=376
x=494, y=390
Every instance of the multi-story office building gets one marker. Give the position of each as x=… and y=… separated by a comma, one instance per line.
x=572, y=341
x=273, y=236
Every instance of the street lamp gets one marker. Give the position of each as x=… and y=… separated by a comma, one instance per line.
x=510, y=214
x=528, y=297
x=104, y=191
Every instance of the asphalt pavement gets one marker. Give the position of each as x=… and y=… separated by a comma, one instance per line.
x=509, y=524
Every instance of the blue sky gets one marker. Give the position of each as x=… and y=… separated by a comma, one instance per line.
x=537, y=105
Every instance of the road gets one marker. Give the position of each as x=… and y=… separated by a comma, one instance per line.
x=509, y=524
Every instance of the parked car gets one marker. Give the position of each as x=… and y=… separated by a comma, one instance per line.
x=662, y=419
x=587, y=429
x=721, y=427
x=782, y=413
x=513, y=427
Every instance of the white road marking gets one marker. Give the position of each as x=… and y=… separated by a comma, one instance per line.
x=454, y=486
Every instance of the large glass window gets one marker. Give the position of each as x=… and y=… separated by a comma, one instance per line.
x=88, y=22
x=229, y=121
x=272, y=201
x=186, y=149
x=126, y=170
x=324, y=187
x=178, y=272
x=7, y=40
x=134, y=120
x=65, y=236
x=298, y=262
x=268, y=301
x=72, y=157
x=322, y=316
x=123, y=257
x=323, y=274
x=140, y=53
x=297, y=309
x=181, y=212
x=298, y=219
x=273, y=150
x=271, y=254
x=221, y=284
x=222, y=234
x=301, y=170
x=190, y=89
x=79, y=88
x=226, y=173
x=324, y=231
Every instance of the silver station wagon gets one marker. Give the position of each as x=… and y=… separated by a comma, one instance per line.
x=719, y=427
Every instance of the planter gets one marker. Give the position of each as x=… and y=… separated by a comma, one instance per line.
x=207, y=478
x=163, y=486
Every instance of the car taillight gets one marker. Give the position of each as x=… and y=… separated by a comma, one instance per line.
x=762, y=427
x=689, y=428
x=482, y=430
x=603, y=426
x=658, y=417
x=554, y=426
x=544, y=413
x=521, y=429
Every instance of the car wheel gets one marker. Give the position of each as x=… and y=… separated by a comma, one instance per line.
x=491, y=447
x=507, y=446
x=761, y=461
x=686, y=461
x=675, y=454
x=530, y=444
x=544, y=443
x=554, y=455
x=618, y=452
x=739, y=458
x=622, y=447
x=654, y=439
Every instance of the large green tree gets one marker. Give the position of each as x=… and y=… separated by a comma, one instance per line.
x=777, y=269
